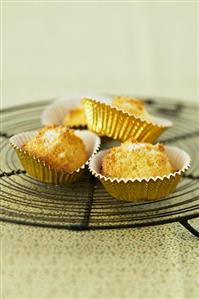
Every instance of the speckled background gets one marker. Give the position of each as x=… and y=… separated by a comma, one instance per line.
x=152, y=262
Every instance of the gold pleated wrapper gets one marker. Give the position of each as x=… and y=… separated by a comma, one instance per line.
x=43, y=172
x=141, y=189
x=106, y=120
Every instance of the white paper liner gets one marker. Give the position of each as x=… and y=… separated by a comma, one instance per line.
x=160, y=122
x=55, y=113
x=91, y=141
x=178, y=158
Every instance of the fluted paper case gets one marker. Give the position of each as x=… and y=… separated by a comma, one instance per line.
x=138, y=189
x=106, y=120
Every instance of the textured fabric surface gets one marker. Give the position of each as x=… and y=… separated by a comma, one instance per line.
x=154, y=262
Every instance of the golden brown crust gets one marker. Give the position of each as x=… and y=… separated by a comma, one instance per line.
x=136, y=161
x=75, y=117
x=58, y=147
x=132, y=105
x=131, y=140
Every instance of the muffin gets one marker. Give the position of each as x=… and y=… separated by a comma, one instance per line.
x=133, y=106
x=136, y=160
x=75, y=117
x=140, y=171
x=55, y=154
x=59, y=147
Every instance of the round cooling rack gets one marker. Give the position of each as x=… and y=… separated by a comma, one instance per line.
x=86, y=205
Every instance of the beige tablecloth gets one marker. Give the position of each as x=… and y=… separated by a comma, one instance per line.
x=153, y=262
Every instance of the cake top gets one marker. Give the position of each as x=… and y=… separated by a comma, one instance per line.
x=133, y=106
x=75, y=117
x=136, y=160
x=58, y=147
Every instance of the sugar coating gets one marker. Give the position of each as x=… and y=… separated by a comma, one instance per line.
x=135, y=146
x=61, y=155
x=50, y=137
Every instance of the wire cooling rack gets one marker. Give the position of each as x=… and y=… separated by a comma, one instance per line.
x=86, y=205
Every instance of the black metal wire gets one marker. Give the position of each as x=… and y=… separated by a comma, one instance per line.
x=86, y=205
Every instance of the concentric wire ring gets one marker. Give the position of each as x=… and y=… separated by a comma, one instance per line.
x=86, y=204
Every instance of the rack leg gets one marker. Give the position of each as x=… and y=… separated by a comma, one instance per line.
x=190, y=228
